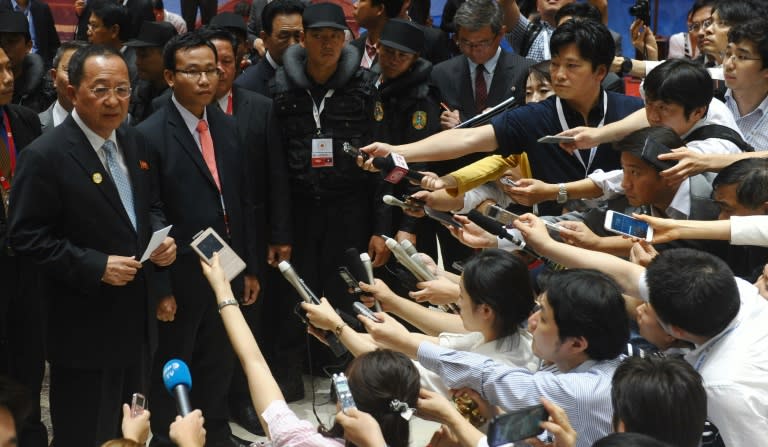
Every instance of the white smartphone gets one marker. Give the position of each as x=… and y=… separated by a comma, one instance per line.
x=554, y=139
x=208, y=242
x=618, y=223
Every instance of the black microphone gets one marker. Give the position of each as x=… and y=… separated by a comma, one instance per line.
x=178, y=382
x=393, y=167
x=496, y=228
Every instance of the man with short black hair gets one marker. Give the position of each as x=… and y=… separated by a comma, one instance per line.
x=696, y=299
x=373, y=15
x=109, y=25
x=191, y=138
x=281, y=28
x=581, y=55
x=581, y=329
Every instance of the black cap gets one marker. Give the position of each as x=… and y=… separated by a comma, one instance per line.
x=649, y=153
x=153, y=34
x=324, y=15
x=13, y=22
x=402, y=35
x=230, y=21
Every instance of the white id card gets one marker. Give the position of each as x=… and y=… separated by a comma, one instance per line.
x=322, y=152
x=208, y=242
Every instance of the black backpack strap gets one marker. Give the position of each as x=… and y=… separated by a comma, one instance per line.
x=722, y=132
x=532, y=31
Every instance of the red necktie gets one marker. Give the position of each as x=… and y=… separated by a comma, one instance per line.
x=206, y=142
x=481, y=91
x=229, y=104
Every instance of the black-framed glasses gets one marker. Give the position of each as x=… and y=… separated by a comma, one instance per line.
x=121, y=91
x=738, y=58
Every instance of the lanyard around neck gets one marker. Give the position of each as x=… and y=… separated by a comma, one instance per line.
x=317, y=110
x=564, y=125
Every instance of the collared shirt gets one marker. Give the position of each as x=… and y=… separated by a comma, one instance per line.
x=223, y=101
x=584, y=392
x=271, y=61
x=26, y=12
x=754, y=125
x=732, y=365
x=285, y=428
x=59, y=114
x=514, y=351
x=680, y=206
x=539, y=50
x=718, y=113
x=489, y=68
x=97, y=142
x=369, y=54
x=191, y=120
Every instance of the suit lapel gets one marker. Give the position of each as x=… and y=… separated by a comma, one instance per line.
x=466, y=97
x=92, y=169
x=499, y=88
x=187, y=142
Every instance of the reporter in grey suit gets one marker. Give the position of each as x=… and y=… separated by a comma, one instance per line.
x=59, y=110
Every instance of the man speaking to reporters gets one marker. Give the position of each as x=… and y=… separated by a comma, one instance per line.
x=81, y=207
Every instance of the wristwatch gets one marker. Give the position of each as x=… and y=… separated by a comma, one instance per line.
x=626, y=66
x=562, y=193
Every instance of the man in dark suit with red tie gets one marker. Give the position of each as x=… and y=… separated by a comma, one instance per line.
x=201, y=173
x=82, y=208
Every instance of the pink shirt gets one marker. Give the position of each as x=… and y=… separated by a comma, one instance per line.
x=286, y=429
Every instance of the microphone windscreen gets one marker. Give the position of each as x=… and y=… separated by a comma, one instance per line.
x=176, y=372
x=487, y=224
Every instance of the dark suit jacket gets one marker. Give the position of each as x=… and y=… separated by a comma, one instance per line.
x=256, y=78
x=267, y=167
x=190, y=198
x=138, y=11
x=67, y=216
x=25, y=127
x=454, y=83
x=45, y=28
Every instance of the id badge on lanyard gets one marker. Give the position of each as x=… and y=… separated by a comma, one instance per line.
x=564, y=125
x=322, y=148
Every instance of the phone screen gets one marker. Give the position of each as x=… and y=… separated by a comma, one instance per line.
x=209, y=246
x=629, y=226
x=516, y=426
x=442, y=216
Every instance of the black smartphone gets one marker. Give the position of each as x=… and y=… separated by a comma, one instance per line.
x=443, y=217
x=516, y=425
x=350, y=280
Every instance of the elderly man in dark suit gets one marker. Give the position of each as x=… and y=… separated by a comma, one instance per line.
x=203, y=183
x=484, y=75
x=92, y=177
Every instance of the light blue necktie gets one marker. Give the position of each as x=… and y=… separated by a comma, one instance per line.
x=121, y=180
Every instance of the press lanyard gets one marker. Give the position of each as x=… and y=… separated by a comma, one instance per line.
x=709, y=348
x=564, y=125
x=5, y=183
x=316, y=111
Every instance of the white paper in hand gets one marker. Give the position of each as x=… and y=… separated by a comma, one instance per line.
x=157, y=238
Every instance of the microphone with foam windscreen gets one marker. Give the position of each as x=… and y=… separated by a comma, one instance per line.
x=178, y=382
x=496, y=228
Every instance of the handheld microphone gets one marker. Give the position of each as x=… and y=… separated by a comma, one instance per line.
x=394, y=168
x=309, y=297
x=408, y=247
x=422, y=274
x=496, y=228
x=178, y=382
x=366, y=260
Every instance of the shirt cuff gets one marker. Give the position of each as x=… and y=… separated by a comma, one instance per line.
x=642, y=287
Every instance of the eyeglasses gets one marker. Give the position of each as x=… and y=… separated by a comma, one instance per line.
x=196, y=75
x=706, y=23
x=483, y=44
x=696, y=26
x=122, y=91
x=738, y=58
